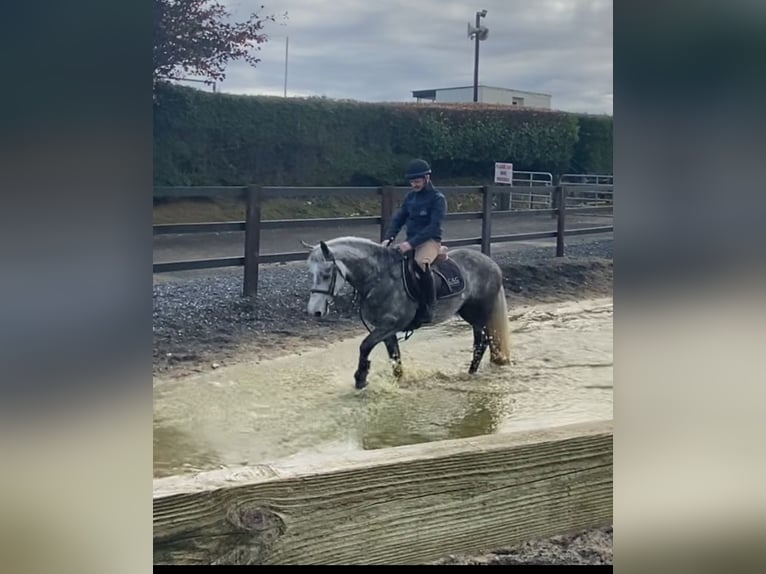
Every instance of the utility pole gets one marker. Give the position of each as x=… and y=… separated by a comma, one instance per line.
x=287, y=40
x=476, y=63
x=479, y=33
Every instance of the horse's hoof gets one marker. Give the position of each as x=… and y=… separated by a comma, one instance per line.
x=360, y=380
x=398, y=371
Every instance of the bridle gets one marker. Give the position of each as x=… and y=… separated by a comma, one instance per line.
x=330, y=291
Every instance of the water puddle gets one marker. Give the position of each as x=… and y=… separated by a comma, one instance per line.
x=305, y=405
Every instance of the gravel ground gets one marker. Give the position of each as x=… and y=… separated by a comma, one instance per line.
x=203, y=322
x=588, y=547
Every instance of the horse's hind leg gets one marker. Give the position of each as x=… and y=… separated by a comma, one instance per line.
x=480, y=342
x=392, y=346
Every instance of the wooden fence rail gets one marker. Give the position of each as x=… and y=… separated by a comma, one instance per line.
x=255, y=195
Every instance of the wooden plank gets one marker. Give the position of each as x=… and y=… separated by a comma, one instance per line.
x=319, y=222
x=403, y=505
x=590, y=230
x=590, y=210
x=224, y=227
x=521, y=213
x=462, y=242
x=276, y=192
x=283, y=257
x=523, y=236
x=464, y=215
x=271, y=192
x=185, y=228
x=460, y=188
x=197, y=264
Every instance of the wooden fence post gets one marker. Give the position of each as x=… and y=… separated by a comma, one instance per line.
x=252, y=240
x=486, y=219
x=555, y=201
x=386, y=209
x=504, y=198
x=561, y=199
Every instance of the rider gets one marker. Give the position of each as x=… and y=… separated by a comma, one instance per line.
x=423, y=212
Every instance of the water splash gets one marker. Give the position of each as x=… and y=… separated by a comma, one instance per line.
x=305, y=406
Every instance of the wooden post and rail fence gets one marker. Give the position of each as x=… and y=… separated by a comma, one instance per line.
x=558, y=200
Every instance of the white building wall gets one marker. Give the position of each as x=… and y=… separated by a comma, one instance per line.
x=514, y=97
x=489, y=95
x=455, y=95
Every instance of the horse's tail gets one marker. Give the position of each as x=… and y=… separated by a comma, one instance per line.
x=499, y=331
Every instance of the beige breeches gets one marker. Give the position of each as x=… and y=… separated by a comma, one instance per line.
x=427, y=252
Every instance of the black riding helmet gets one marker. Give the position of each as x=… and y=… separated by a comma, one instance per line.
x=417, y=168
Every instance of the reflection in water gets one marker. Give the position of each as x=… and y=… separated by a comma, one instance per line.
x=304, y=406
x=441, y=408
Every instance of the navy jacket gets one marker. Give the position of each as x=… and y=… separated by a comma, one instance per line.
x=423, y=212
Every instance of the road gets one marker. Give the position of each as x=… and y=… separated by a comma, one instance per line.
x=231, y=244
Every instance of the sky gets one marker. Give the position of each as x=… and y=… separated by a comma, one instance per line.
x=382, y=50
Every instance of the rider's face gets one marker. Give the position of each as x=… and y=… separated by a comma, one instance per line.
x=418, y=183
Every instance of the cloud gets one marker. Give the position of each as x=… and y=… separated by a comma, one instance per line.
x=382, y=50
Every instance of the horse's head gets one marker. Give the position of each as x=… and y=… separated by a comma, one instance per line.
x=328, y=278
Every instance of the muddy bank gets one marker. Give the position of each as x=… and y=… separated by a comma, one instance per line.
x=580, y=548
x=204, y=323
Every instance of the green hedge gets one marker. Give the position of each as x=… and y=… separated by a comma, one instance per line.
x=593, y=152
x=202, y=138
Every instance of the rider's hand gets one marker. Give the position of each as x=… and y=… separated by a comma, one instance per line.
x=404, y=246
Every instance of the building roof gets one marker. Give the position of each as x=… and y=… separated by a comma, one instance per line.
x=432, y=92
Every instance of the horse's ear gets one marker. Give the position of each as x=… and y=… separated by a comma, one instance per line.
x=326, y=251
x=307, y=245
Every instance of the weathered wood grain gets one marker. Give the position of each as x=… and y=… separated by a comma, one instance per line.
x=404, y=505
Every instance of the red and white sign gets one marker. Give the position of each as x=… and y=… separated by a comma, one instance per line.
x=504, y=173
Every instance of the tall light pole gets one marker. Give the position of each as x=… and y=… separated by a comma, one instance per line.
x=287, y=40
x=479, y=32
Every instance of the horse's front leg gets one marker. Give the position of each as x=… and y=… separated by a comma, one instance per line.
x=480, y=341
x=369, y=343
x=392, y=346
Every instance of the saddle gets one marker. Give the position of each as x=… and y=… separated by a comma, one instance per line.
x=448, y=278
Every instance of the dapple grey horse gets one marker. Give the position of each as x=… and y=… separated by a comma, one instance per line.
x=376, y=274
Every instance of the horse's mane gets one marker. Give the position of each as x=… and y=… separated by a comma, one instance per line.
x=348, y=245
x=352, y=240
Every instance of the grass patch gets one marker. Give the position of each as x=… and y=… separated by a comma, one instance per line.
x=204, y=210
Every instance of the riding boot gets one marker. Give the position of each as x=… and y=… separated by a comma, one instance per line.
x=427, y=295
